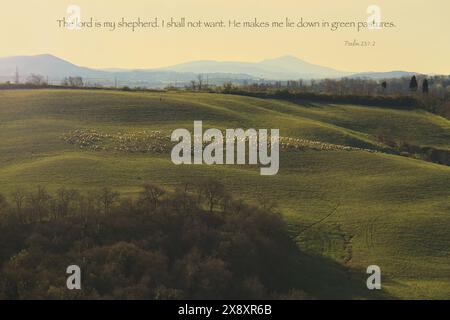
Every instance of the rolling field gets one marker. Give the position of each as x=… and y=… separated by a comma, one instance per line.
x=390, y=211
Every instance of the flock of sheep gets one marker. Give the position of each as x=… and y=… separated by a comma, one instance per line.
x=157, y=142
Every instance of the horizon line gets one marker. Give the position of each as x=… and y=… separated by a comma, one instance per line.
x=108, y=69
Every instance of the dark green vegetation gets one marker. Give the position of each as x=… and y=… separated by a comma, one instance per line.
x=403, y=92
x=401, y=102
x=379, y=208
x=185, y=245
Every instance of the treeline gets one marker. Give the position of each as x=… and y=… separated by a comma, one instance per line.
x=404, y=102
x=435, y=85
x=196, y=242
x=440, y=156
x=419, y=91
x=18, y=86
x=431, y=94
x=404, y=148
x=13, y=86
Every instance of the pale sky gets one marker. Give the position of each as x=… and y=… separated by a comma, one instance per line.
x=420, y=42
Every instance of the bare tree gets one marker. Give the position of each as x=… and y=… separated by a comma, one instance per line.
x=193, y=84
x=107, y=197
x=151, y=195
x=265, y=203
x=39, y=202
x=36, y=79
x=3, y=202
x=64, y=199
x=212, y=191
x=73, y=82
x=200, y=82
x=19, y=197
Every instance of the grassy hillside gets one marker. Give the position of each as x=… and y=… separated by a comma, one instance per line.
x=391, y=211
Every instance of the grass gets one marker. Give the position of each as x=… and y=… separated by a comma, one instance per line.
x=392, y=211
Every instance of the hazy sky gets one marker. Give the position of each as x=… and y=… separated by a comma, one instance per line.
x=420, y=42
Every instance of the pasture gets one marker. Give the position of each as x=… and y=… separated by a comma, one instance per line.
x=374, y=208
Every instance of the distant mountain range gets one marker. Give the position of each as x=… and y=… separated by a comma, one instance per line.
x=283, y=68
x=217, y=72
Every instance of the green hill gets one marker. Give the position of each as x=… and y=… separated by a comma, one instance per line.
x=392, y=211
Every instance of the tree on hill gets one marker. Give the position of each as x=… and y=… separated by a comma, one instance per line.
x=73, y=82
x=200, y=82
x=36, y=79
x=151, y=195
x=39, y=203
x=413, y=84
x=19, y=198
x=107, y=197
x=3, y=202
x=425, y=86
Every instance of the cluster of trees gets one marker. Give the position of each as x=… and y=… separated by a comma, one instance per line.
x=72, y=82
x=37, y=80
x=397, y=92
x=400, y=101
x=199, y=84
x=195, y=242
x=414, y=85
x=436, y=85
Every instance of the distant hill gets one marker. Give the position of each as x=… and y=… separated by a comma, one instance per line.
x=56, y=69
x=216, y=72
x=45, y=64
x=282, y=68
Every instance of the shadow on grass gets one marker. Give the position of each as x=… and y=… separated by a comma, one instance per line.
x=323, y=278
